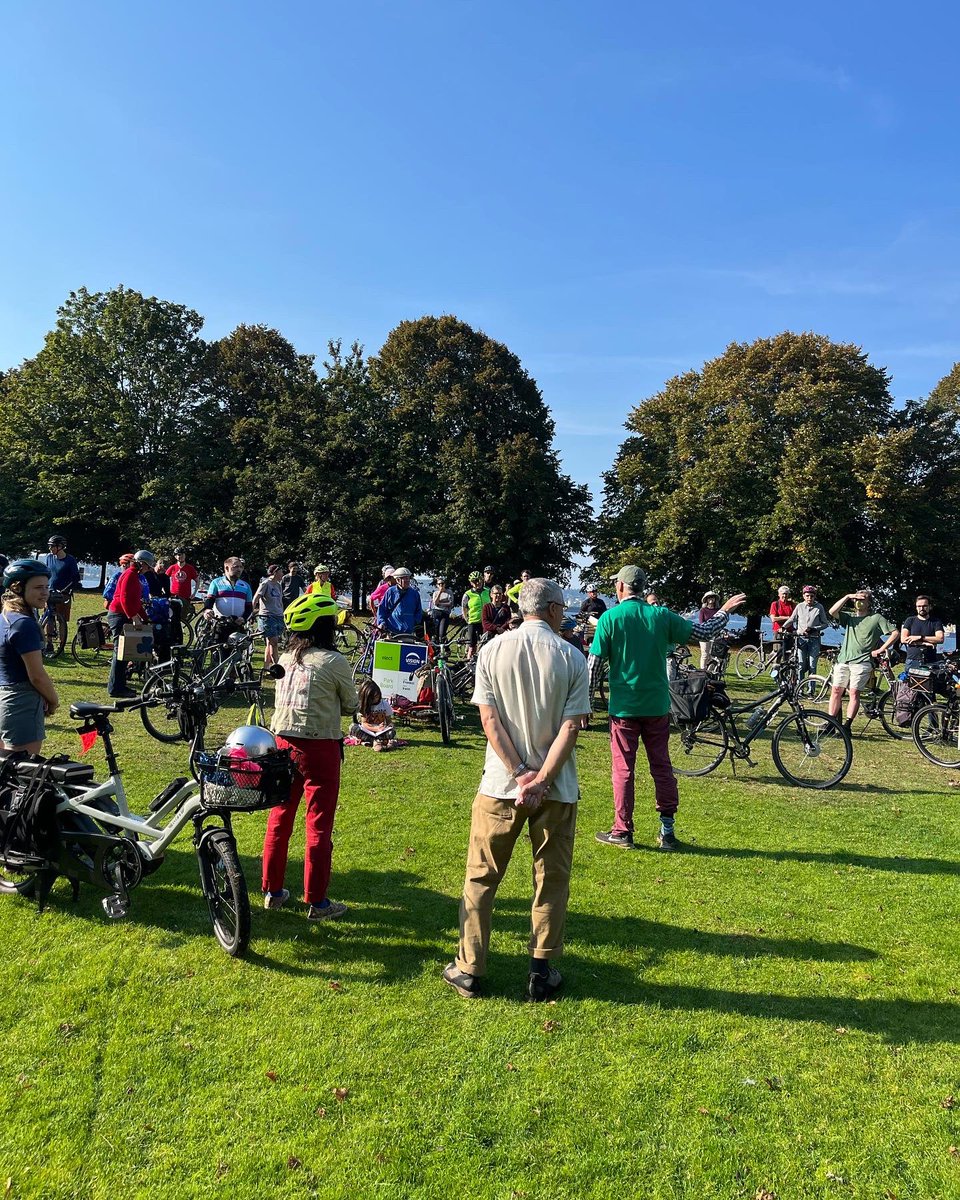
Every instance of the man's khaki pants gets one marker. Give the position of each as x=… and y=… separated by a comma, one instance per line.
x=495, y=826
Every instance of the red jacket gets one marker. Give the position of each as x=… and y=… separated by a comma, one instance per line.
x=128, y=597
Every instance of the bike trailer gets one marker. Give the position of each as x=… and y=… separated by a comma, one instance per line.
x=91, y=633
x=231, y=782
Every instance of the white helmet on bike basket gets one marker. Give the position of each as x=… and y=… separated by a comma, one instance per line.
x=253, y=740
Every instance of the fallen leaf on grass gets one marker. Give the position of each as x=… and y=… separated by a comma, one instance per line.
x=948, y=1102
x=272, y=1076
x=335, y=985
x=763, y=1194
x=222, y=1169
x=841, y=1029
x=550, y=1026
x=511, y=1067
x=294, y=1163
x=66, y=1028
x=8, y=1190
x=954, y=1151
x=835, y=1178
x=321, y=1112
x=408, y=853
x=773, y=1082
x=340, y=1094
x=704, y=1112
x=954, y=782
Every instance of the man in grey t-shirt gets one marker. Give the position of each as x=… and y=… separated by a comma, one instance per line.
x=532, y=691
x=808, y=620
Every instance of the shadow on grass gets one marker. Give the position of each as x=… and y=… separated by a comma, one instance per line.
x=837, y=858
x=896, y=1020
x=628, y=933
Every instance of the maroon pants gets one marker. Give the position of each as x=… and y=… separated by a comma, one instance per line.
x=317, y=779
x=626, y=733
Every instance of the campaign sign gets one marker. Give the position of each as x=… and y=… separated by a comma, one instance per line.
x=394, y=667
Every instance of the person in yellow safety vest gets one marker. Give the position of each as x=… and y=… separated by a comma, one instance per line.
x=513, y=592
x=321, y=585
x=474, y=598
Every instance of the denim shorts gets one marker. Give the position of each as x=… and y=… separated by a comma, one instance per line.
x=21, y=714
x=270, y=625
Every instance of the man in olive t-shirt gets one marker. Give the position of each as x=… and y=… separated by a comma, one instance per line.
x=863, y=641
x=634, y=638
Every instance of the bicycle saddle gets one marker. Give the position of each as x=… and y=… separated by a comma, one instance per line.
x=90, y=708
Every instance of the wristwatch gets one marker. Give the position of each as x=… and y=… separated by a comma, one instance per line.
x=522, y=769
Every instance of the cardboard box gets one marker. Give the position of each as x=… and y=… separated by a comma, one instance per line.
x=135, y=645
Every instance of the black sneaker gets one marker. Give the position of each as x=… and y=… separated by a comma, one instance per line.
x=544, y=987
x=466, y=985
x=666, y=841
x=623, y=840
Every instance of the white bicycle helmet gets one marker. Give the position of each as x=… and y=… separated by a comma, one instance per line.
x=253, y=740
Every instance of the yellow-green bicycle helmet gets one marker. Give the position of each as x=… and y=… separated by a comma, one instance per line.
x=305, y=610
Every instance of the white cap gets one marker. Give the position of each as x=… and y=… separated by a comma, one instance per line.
x=387, y=570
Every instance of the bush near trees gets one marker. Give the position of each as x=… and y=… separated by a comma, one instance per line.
x=786, y=460
x=129, y=429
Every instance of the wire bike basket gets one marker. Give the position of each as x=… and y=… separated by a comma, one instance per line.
x=234, y=783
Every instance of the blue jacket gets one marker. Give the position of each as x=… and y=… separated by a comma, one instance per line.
x=400, y=611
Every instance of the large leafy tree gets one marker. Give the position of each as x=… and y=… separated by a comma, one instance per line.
x=750, y=472
x=263, y=478
x=911, y=476
x=101, y=431
x=475, y=472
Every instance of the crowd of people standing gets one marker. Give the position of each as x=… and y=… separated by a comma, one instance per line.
x=532, y=691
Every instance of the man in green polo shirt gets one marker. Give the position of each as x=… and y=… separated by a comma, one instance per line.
x=864, y=632
x=634, y=637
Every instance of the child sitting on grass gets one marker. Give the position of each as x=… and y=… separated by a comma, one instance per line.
x=374, y=721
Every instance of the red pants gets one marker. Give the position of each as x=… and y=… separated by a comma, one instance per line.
x=626, y=734
x=317, y=777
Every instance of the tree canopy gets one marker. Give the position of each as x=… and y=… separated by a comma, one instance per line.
x=763, y=467
x=128, y=428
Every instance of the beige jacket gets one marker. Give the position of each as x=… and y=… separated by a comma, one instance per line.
x=313, y=695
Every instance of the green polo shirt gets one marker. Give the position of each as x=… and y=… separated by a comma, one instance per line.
x=861, y=635
x=635, y=638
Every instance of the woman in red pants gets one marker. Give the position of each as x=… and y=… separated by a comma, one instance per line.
x=314, y=693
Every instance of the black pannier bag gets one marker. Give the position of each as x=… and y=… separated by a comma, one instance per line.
x=90, y=633
x=29, y=838
x=690, y=697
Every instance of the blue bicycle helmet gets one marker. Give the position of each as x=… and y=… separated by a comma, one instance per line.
x=22, y=569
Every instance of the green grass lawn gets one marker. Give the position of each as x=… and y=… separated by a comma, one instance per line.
x=774, y=1011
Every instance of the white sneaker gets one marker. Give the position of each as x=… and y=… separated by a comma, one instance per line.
x=279, y=901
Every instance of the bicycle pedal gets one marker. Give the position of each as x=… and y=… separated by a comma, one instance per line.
x=114, y=907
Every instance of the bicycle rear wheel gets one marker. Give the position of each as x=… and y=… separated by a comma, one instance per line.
x=347, y=640
x=13, y=883
x=936, y=732
x=885, y=711
x=748, y=662
x=812, y=749
x=225, y=888
x=698, y=749
x=96, y=656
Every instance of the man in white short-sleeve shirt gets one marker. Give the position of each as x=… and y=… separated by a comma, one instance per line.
x=533, y=691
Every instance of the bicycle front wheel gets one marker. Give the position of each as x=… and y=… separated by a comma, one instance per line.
x=814, y=689
x=812, y=749
x=445, y=708
x=226, y=891
x=347, y=640
x=698, y=749
x=54, y=631
x=936, y=731
x=748, y=662
x=162, y=721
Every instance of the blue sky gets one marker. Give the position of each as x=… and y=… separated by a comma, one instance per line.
x=615, y=191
